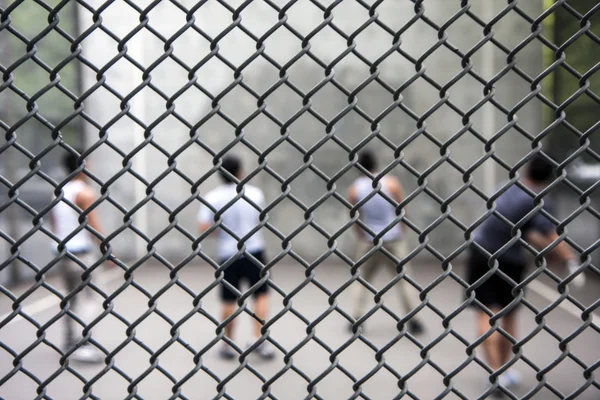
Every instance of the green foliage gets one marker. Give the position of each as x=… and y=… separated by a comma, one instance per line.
x=582, y=54
x=30, y=20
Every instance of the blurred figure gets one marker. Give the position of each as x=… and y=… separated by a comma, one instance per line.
x=241, y=217
x=495, y=293
x=64, y=220
x=377, y=213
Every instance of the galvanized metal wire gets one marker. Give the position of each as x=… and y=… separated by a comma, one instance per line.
x=445, y=160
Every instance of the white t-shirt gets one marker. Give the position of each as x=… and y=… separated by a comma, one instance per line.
x=66, y=220
x=241, y=217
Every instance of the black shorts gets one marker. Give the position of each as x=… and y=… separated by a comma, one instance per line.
x=495, y=291
x=243, y=269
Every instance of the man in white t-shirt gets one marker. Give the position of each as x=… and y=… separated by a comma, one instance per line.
x=240, y=218
x=377, y=213
x=64, y=220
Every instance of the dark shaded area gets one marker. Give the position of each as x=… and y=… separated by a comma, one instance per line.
x=582, y=54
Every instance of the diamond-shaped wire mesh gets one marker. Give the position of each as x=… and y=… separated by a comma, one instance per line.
x=453, y=95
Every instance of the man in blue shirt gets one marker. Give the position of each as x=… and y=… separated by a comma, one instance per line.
x=493, y=234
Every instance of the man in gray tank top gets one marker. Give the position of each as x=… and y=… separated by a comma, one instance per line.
x=379, y=215
x=493, y=234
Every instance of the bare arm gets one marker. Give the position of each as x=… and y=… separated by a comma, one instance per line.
x=204, y=226
x=205, y=219
x=352, y=198
x=397, y=193
x=396, y=189
x=84, y=200
x=562, y=251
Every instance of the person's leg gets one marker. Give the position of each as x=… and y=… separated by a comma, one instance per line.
x=228, y=307
x=509, y=321
x=88, y=304
x=485, y=294
x=71, y=280
x=492, y=346
x=400, y=250
x=511, y=377
x=261, y=304
x=509, y=324
x=495, y=293
x=261, y=294
x=360, y=294
x=233, y=276
x=83, y=307
x=261, y=309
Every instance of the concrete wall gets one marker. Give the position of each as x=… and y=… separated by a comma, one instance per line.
x=283, y=103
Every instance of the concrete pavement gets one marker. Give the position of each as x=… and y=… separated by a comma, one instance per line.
x=289, y=331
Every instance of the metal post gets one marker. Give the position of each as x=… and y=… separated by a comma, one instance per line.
x=138, y=108
x=11, y=213
x=82, y=139
x=489, y=113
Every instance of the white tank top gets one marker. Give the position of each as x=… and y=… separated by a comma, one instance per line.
x=377, y=213
x=66, y=220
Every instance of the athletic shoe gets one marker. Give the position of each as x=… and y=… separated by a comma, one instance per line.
x=361, y=328
x=510, y=378
x=496, y=394
x=416, y=327
x=226, y=352
x=88, y=354
x=264, y=351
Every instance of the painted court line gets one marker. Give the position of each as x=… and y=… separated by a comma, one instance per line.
x=48, y=302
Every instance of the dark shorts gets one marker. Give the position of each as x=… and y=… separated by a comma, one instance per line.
x=495, y=291
x=243, y=270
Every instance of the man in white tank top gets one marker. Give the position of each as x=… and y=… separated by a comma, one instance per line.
x=241, y=218
x=64, y=221
x=377, y=213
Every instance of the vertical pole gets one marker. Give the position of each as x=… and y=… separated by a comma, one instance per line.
x=9, y=162
x=77, y=29
x=489, y=113
x=138, y=108
x=12, y=212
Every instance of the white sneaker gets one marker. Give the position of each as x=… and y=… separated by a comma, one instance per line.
x=226, y=352
x=88, y=354
x=264, y=351
x=496, y=393
x=510, y=378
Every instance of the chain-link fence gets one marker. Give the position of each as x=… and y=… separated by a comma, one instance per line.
x=453, y=97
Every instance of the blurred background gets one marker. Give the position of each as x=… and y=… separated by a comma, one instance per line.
x=184, y=99
x=194, y=107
